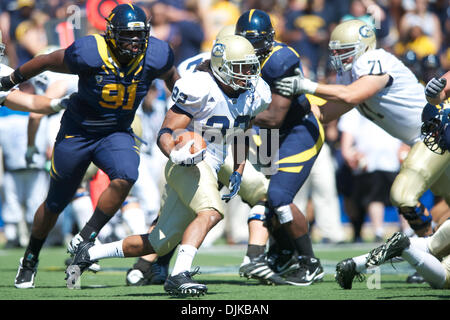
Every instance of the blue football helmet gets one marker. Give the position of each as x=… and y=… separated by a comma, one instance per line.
x=436, y=120
x=127, y=25
x=255, y=25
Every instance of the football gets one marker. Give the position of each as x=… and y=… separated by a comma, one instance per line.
x=183, y=138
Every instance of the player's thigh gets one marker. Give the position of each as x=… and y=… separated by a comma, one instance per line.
x=118, y=156
x=441, y=187
x=70, y=159
x=297, y=154
x=174, y=217
x=421, y=168
x=446, y=264
x=196, y=186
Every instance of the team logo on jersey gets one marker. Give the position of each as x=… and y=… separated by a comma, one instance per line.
x=99, y=79
x=218, y=50
x=366, y=31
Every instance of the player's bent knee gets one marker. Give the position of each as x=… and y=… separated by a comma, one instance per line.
x=258, y=212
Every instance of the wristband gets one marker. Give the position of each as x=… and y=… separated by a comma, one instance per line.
x=162, y=131
x=55, y=105
x=18, y=77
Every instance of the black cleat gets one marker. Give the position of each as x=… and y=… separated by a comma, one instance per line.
x=346, y=272
x=415, y=278
x=258, y=268
x=393, y=247
x=26, y=274
x=283, y=262
x=310, y=270
x=156, y=273
x=81, y=262
x=183, y=285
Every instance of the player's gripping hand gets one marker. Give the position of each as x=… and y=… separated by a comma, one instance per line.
x=295, y=85
x=59, y=104
x=184, y=157
x=434, y=87
x=235, y=185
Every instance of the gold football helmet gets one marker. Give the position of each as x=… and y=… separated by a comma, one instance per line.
x=348, y=41
x=234, y=62
x=225, y=31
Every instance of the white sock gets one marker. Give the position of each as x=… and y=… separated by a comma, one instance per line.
x=107, y=250
x=360, y=262
x=135, y=219
x=428, y=266
x=419, y=243
x=82, y=209
x=186, y=254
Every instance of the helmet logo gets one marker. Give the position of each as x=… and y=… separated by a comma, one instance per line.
x=136, y=24
x=218, y=50
x=366, y=31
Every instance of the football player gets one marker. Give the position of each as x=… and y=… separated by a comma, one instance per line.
x=385, y=91
x=430, y=256
x=115, y=71
x=301, y=138
x=253, y=190
x=219, y=99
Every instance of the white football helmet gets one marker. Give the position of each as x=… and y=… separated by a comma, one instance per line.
x=2, y=46
x=225, y=31
x=355, y=36
x=234, y=62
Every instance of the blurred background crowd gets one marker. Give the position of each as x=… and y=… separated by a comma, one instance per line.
x=358, y=162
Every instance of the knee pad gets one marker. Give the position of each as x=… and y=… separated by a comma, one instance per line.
x=284, y=214
x=414, y=213
x=258, y=212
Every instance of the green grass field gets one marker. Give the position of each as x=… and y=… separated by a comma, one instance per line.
x=219, y=271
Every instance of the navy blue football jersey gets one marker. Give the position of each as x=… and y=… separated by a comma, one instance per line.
x=109, y=93
x=281, y=62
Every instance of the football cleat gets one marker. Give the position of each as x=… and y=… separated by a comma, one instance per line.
x=95, y=267
x=74, y=243
x=26, y=274
x=415, y=278
x=346, y=272
x=81, y=262
x=309, y=271
x=156, y=274
x=183, y=285
x=282, y=262
x=258, y=268
x=393, y=247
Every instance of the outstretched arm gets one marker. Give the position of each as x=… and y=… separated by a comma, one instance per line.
x=21, y=101
x=53, y=61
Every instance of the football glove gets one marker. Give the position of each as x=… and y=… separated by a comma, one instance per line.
x=31, y=151
x=235, y=185
x=184, y=157
x=59, y=104
x=295, y=85
x=434, y=87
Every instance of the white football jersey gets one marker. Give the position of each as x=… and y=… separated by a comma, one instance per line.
x=398, y=107
x=4, y=71
x=189, y=64
x=214, y=113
